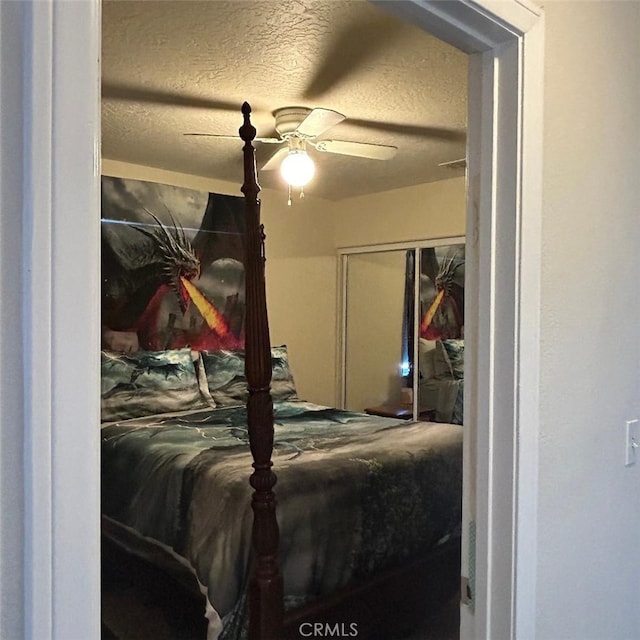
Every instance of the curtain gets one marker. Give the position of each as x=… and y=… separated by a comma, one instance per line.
x=408, y=317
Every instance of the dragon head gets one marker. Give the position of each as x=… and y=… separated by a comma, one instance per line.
x=178, y=259
x=446, y=275
x=444, y=283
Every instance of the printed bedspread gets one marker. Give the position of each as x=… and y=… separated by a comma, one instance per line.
x=355, y=494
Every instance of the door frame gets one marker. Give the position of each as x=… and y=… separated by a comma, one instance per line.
x=59, y=94
x=505, y=43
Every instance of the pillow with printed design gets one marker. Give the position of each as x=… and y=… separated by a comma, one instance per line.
x=145, y=383
x=227, y=381
x=455, y=352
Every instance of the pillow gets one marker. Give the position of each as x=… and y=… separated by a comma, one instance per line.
x=227, y=381
x=441, y=363
x=457, y=414
x=426, y=353
x=148, y=382
x=455, y=352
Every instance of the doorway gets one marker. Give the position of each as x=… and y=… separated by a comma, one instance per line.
x=506, y=47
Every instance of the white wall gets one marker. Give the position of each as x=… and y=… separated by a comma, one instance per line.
x=589, y=503
x=426, y=211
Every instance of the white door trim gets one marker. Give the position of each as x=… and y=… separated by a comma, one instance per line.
x=61, y=48
x=61, y=302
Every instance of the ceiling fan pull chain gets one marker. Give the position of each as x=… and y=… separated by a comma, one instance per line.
x=289, y=200
x=301, y=193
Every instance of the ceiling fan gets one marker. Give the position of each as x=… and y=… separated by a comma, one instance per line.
x=299, y=127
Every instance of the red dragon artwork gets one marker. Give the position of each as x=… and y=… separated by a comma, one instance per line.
x=442, y=294
x=166, y=288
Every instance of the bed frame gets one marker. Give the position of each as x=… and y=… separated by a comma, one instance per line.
x=433, y=579
x=266, y=598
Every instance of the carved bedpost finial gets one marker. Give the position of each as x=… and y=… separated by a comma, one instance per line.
x=247, y=131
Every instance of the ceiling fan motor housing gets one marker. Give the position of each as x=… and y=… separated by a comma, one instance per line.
x=288, y=119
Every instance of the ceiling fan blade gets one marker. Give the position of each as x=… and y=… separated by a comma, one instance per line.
x=348, y=52
x=358, y=149
x=274, y=161
x=225, y=137
x=318, y=121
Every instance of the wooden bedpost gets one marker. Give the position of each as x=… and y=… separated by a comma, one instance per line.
x=266, y=607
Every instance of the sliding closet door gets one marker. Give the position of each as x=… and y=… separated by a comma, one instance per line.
x=375, y=362
x=397, y=302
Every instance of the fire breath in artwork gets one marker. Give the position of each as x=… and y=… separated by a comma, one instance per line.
x=172, y=265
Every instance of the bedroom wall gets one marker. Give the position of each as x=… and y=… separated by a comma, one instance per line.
x=300, y=274
x=426, y=211
x=588, y=582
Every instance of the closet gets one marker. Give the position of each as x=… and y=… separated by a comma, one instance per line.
x=401, y=347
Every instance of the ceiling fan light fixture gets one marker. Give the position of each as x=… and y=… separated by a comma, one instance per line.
x=297, y=168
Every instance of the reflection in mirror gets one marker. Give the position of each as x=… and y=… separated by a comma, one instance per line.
x=403, y=342
x=441, y=333
x=375, y=367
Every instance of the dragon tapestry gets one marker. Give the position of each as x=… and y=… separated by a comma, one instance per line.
x=172, y=266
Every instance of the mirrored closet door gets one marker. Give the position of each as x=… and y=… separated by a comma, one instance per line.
x=373, y=329
x=402, y=336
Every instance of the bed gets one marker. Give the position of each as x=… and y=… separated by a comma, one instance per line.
x=361, y=534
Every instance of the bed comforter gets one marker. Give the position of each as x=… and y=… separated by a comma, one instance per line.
x=356, y=493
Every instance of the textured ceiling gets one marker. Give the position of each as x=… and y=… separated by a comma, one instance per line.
x=173, y=67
